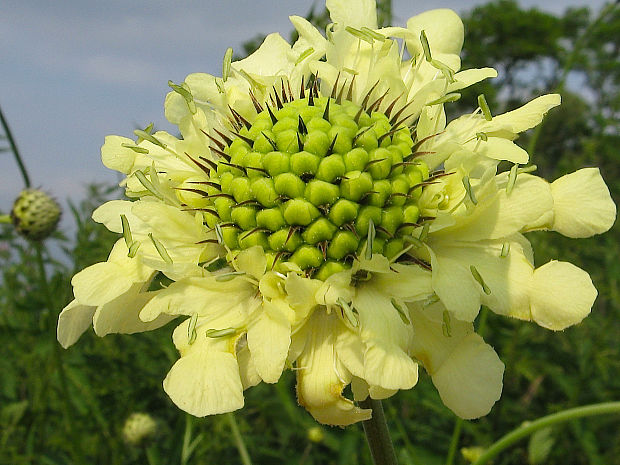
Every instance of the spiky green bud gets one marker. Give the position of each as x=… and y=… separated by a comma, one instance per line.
x=35, y=214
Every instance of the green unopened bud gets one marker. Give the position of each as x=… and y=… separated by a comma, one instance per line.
x=139, y=428
x=35, y=214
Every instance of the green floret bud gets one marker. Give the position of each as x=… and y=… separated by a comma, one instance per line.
x=264, y=191
x=320, y=230
x=343, y=211
x=309, y=184
x=304, y=163
x=356, y=159
x=355, y=185
x=317, y=142
x=307, y=257
x=300, y=212
x=329, y=268
x=276, y=163
x=289, y=185
x=35, y=214
x=331, y=168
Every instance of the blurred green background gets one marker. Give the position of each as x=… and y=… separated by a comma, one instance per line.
x=69, y=407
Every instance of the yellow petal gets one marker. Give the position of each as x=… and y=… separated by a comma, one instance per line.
x=206, y=381
x=102, y=282
x=72, y=322
x=529, y=115
x=465, y=370
x=469, y=77
x=443, y=29
x=562, y=295
x=407, y=282
x=387, y=338
x=321, y=379
x=252, y=261
x=582, y=204
x=120, y=315
x=470, y=380
x=205, y=297
x=269, y=338
x=499, y=148
x=356, y=13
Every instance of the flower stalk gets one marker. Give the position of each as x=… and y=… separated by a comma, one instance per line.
x=549, y=420
x=18, y=159
x=378, y=434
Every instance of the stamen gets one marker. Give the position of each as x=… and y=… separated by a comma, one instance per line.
x=135, y=148
x=226, y=64
x=479, y=279
x=126, y=231
x=191, y=328
x=469, y=190
x=484, y=106
x=214, y=333
x=348, y=313
x=425, y=46
x=512, y=178
x=161, y=250
x=370, y=239
x=146, y=136
x=445, y=327
x=505, y=250
x=401, y=311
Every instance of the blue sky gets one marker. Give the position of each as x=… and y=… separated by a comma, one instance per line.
x=72, y=72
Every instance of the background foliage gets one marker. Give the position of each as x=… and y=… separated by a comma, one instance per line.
x=60, y=407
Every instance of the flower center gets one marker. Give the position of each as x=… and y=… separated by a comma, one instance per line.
x=309, y=180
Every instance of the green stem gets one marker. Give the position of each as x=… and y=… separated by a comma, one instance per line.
x=530, y=427
x=378, y=434
x=18, y=158
x=454, y=442
x=243, y=452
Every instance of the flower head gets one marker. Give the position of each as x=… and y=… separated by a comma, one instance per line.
x=320, y=214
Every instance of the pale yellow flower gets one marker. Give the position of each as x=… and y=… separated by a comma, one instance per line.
x=320, y=214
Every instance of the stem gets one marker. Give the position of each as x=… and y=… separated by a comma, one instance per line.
x=454, y=442
x=243, y=452
x=378, y=434
x=529, y=428
x=13, y=145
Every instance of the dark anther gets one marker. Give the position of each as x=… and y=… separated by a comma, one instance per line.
x=225, y=156
x=302, y=90
x=211, y=163
x=278, y=100
x=390, y=107
x=333, y=94
x=350, y=92
x=274, y=120
x=368, y=94
x=238, y=116
x=232, y=165
x=331, y=146
x=301, y=127
x=284, y=96
x=245, y=139
x=300, y=144
x=419, y=143
x=204, y=168
x=273, y=144
x=326, y=112
x=227, y=139
x=217, y=142
x=398, y=113
x=257, y=105
x=377, y=103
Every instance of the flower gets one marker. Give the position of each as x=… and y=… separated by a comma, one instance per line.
x=319, y=214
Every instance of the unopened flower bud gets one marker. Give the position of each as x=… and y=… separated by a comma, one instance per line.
x=35, y=214
x=139, y=427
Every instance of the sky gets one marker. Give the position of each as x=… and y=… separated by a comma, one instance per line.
x=72, y=72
